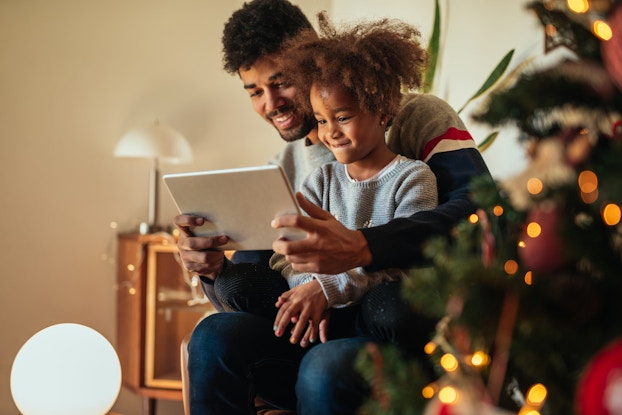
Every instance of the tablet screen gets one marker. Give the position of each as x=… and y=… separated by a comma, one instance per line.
x=239, y=203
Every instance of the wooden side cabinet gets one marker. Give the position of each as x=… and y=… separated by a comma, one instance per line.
x=158, y=304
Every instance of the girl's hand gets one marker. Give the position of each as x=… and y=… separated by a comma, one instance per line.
x=305, y=307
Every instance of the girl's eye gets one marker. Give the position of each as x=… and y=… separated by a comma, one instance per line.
x=321, y=122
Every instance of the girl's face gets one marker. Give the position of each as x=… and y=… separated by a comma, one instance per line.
x=349, y=131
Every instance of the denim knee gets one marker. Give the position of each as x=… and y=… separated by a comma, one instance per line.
x=328, y=382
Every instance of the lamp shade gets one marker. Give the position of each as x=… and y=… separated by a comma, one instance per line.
x=155, y=141
x=66, y=369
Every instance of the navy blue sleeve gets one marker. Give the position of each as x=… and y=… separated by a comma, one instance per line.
x=398, y=244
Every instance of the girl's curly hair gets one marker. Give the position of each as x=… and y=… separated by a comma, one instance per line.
x=259, y=28
x=372, y=60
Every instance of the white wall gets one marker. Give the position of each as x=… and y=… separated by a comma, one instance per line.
x=75, y=75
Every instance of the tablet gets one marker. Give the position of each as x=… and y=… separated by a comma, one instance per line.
x=239, y=203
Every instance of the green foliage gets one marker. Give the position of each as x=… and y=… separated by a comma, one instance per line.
x=528, y=103
x=392, y=376
x=433, y=50
x=565, y=314
x=492, y=79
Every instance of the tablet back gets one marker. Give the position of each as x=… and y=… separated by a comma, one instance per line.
x=239, y=203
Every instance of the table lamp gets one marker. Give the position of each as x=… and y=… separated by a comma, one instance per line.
x=66, y=369
x=160, y=143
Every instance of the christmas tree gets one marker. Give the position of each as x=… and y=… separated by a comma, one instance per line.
x=528, y=291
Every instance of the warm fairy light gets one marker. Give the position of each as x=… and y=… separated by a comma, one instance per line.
x=578, y=6
x=588, y=182
x=611, y=214
x=550, y=30
x=510, y=266
x=132, y=291
x=429, y=347
x=602, y=30
x=534, y=186
x=479, y=359
x=588, y=198
x=428, y=391
x=131, y=267
x=528, y=411
x=448, y=395
x=528, y=278
x=473, y=218
x=534, y=229
x=497, y=210
x=521, y=244
x=536, y=395
x=114, y=225
x=449, y=362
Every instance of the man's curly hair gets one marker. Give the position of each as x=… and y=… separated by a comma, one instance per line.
x=371, y=60
x=259, y=28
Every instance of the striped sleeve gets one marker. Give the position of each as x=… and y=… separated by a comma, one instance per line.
x=427, y=125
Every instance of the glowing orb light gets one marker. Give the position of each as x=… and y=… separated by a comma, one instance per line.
x=66, y=369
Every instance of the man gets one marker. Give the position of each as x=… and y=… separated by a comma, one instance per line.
x=235, y=356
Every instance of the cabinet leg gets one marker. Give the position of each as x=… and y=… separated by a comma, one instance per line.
x=149, y=406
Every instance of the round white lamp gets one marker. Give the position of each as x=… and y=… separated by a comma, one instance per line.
x=66, y=369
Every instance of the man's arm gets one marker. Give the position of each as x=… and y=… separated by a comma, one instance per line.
x=398, y=243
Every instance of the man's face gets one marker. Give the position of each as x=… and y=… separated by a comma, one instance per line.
x=274, y=100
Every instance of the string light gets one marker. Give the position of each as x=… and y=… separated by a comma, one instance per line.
x=534, y=186
x=429, y=348
x=589, y=198
x=578, y=6
x=602, y=30
x=528, y=278
x=611, y=214
x=588, y=182
x=536, y=395
x=497, y=210
x=534, y=229
x=428, y=391
x=480, y=359
x=510, y=267
x=449, y=362
x=473, y=218
x=448, y=395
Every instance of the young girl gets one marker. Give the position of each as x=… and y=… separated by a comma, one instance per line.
x=352, y=79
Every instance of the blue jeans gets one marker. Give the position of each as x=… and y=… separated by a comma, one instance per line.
x=233, y=356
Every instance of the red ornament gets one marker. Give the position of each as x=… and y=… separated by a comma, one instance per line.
x=612, y=48
x=599, y=391
x=543, y=253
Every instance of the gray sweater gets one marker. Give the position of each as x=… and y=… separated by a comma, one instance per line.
x=403, y=188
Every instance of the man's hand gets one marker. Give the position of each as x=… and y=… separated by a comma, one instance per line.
x=197, y=252
x=306, y=307
x=329, y=248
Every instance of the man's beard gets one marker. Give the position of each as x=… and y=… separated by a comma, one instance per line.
x=308, y=123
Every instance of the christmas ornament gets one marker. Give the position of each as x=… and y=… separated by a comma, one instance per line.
x=612, y=48
x=543, y=251
x=599, y=391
